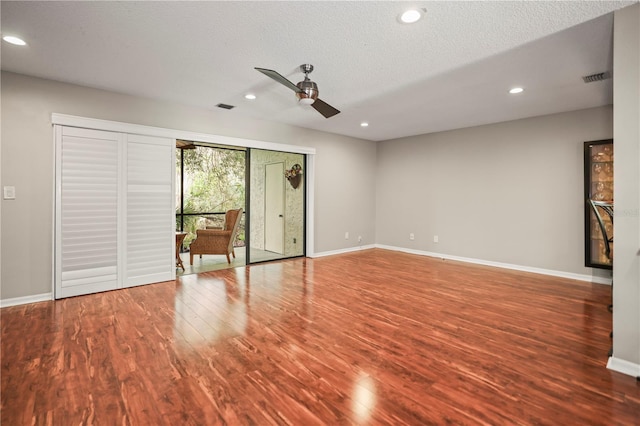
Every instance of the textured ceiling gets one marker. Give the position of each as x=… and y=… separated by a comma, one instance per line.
x=450, y=70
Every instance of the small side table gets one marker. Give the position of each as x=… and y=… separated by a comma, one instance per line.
x=179, y=239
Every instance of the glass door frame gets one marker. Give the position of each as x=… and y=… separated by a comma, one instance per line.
x=305, y=201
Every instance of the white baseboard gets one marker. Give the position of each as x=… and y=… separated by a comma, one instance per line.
x=599, y=280
x=624, y=367
x=561, y=274
x=343, y=251
x=26, y=299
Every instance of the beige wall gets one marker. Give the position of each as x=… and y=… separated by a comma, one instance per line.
x=626, y=260
x=28, y=164
x=509, y=192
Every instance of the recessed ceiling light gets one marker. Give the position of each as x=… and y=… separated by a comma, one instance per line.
x=14, y=40
x=250, y=96
x=364, y=124
x=516, y=90
x=410, y=16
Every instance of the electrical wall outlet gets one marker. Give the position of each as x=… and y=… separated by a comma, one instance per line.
x=346, y=235
x=412, y=236
x=9, y=192
x=359, y=238
x=435, y=238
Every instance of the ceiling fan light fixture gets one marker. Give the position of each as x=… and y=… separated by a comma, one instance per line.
x=306, y=101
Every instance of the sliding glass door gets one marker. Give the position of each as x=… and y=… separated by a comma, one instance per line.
x=276, y=205
x=210, y=180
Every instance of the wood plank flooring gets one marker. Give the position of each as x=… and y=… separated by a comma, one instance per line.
x=373, y=337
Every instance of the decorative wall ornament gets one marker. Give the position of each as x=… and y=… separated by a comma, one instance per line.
x=294, y=175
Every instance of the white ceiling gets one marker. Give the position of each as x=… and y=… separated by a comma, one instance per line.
x=450, y=70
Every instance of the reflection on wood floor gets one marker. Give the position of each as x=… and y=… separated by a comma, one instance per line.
x=373, y=337
x=210, y=262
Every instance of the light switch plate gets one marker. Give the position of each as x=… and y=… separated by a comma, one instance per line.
x=9, y=192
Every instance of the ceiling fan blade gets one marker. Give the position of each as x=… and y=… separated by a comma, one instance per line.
x=324, y=108
x=279, y=78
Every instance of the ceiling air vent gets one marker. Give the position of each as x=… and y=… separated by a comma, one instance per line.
x=225, y=106
x=596, y=77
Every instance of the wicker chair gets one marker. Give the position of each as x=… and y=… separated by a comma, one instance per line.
x=217, y=241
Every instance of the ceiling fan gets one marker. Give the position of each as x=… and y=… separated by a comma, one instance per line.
x=306, y=90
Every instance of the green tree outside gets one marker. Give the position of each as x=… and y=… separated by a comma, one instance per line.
x=214, y=181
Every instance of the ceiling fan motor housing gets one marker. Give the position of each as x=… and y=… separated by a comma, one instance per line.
x=309, y=92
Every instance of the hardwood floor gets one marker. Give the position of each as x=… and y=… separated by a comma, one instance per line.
x=373, y=337
x=216, y=262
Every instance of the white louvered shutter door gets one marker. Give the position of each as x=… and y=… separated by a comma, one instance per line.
x=87, y=214
x=150, y=212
